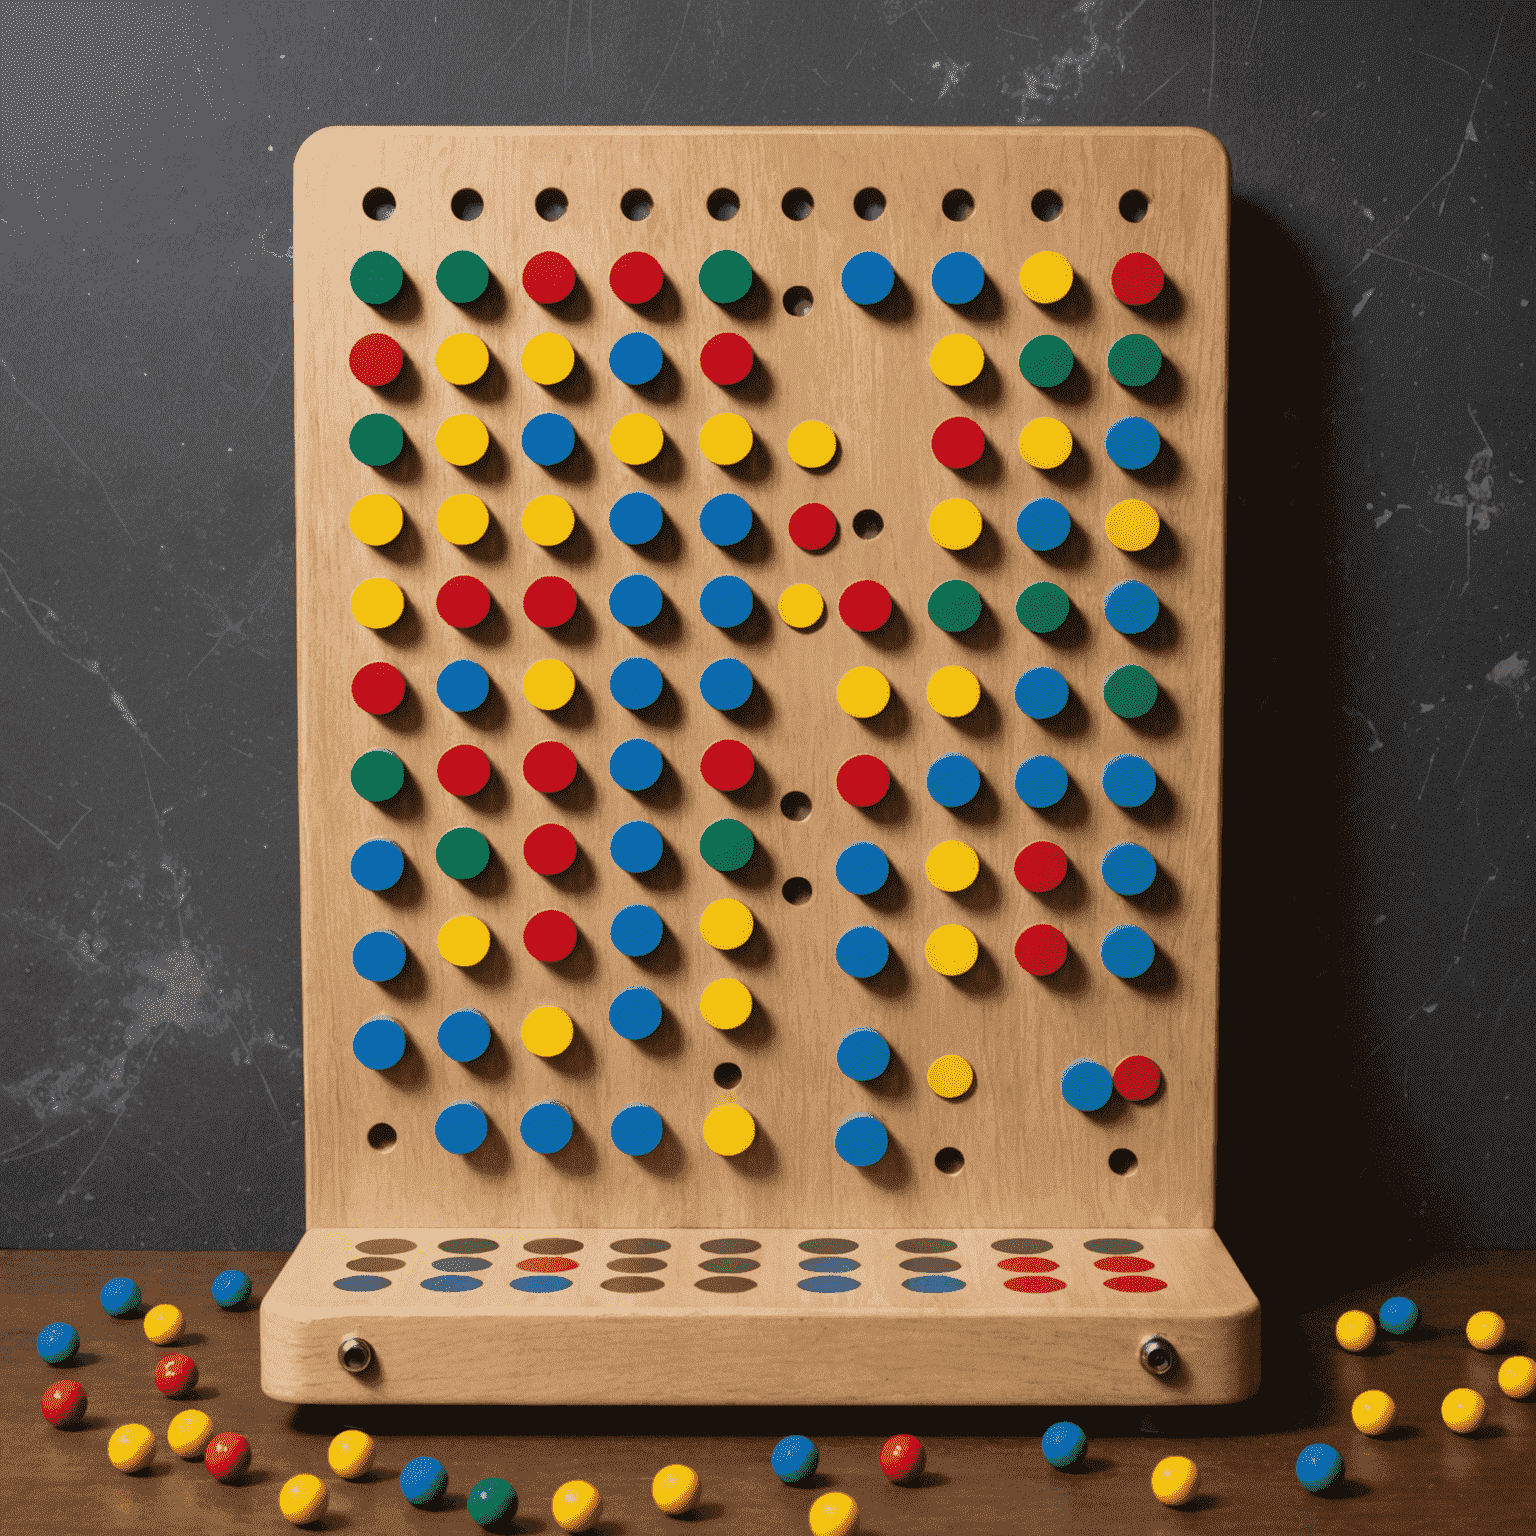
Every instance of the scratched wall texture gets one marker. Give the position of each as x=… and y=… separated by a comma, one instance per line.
x=1379, y=925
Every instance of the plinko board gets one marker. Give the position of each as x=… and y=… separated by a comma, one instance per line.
x=760, y=681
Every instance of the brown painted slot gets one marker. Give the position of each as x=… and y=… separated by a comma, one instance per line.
x=729, y=1266
x=632, y=1285
x=726, y=1285
x=552, y=1245
x=375, y=1266
x=386, y=1245
x=469, y=1245
x=640, y=1245
x=828, y=1245
x=731, y=1245
x=931, y=1266
x=1022, y=1245
x=637, y=1266
x=927, y=1245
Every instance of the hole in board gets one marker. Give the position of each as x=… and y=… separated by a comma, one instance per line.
x=551, y=204
x=636, y=204
x=796, y=806
x=381, y=1137
x=797, y=301
x=797, y=890
x=1046, y=205
x=379, y=203
x=467, y=203
x=727, y=1075
x=959, y=205
x=797, y=204
x=723, y=204
x=868, y=524
x=1133, y=207
x=1122, y=1160
x=949, y=1160
x=869, y=203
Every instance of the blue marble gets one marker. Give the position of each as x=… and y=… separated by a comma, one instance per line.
x=958, y=277
x=863, y=1055
x=861, y=1140
x=868, y=277
x=862, y=869
x=379, y=1044
x=635, y=1013
x=461, y=1127
x=953, y=780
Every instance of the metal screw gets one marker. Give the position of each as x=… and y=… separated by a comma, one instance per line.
x=356, y=1354
x=1158, y=1356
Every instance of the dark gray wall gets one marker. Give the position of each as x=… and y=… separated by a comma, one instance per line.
x=1377, y=1081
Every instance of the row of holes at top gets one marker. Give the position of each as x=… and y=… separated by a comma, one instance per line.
x=722, y=203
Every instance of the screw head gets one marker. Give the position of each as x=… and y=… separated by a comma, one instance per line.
x=355, y=1354
x=1158, y=1356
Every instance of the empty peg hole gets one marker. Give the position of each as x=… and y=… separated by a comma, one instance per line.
x=1133, y=207
x=797, y=890
x=797, y=300
x=868, y=524
x=636, y=204
x=1122, y=1160
x=379, y=203
x=727, y=1075
x=551, y=204
x=723, y=204
x=381, y=1137
x=1046, y=205
x=869, y=203
x=796, y=806
x=958, y=205
x=949, y=1160
x=797, y=204
x=467, y=203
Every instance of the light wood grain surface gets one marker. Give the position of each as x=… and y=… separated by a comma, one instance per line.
x=882, y=1342
x=1029, y=1158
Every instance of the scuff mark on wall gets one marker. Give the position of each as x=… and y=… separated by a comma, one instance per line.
x=952, y=73
x=1476, y=500
x=1067, y=69
x=1376, y=743
x=1509, y=674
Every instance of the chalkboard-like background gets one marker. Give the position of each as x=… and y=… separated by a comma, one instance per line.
x=1379, y=925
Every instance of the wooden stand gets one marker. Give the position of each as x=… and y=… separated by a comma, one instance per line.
x=1009, y=1158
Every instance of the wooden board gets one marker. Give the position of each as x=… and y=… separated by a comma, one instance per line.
x=597, y=1341
x=1026, y=1158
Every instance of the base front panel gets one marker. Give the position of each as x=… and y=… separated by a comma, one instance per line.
x=770, y=1316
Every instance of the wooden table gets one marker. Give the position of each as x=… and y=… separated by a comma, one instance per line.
x=985, y=1473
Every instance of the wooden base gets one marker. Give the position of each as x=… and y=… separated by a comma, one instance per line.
x=599, y=1340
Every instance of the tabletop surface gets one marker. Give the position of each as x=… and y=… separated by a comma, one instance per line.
x=985, y=1471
